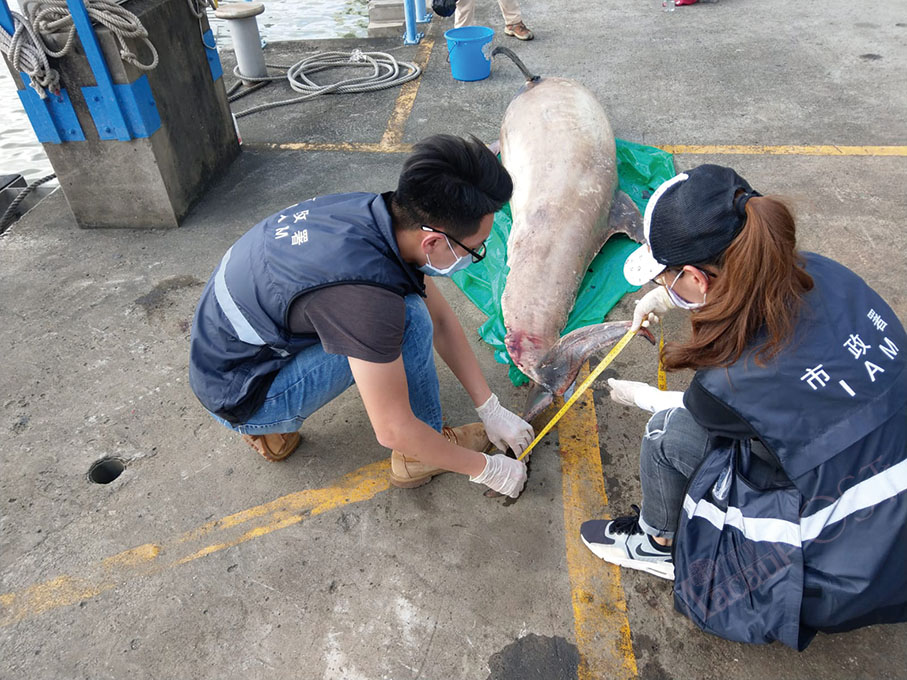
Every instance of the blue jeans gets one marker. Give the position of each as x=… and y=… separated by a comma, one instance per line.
x=671, y=450
x=313, y=378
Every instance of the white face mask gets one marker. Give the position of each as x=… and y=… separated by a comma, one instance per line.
x=679, y=301
x=458, y=264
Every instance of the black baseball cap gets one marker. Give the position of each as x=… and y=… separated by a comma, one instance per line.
x=690, y=219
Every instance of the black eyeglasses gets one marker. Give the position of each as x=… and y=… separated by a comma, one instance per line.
x=477, y=255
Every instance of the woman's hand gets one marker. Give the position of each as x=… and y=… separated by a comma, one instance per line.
x=646, y=397
x=650, y=307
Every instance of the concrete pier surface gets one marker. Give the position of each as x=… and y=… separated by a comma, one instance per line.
x=203, y=560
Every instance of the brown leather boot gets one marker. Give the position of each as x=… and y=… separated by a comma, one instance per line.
x=274, y=447
x=408, y=473
x=518, y=30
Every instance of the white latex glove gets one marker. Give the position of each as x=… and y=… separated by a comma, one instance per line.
x=650, y=307
x=646, y=397
x=504, y=475
x=503, y=427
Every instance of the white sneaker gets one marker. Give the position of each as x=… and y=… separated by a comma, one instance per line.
x=622, y=542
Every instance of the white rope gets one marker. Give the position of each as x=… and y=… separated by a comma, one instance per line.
x=197, y=7
x=28, y=52
x=53, y=16
x=385, y=72
x=25, y=54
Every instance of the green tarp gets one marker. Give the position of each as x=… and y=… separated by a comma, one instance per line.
x=640, y=169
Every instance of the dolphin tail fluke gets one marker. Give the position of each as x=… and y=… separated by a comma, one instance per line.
x=558, y=369
x=624, y=218
x=516, y=60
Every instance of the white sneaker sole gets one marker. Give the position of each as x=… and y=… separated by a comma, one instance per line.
x=617, y=556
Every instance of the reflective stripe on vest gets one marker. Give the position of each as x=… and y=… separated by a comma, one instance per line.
x=241, y=325
x=877, y=489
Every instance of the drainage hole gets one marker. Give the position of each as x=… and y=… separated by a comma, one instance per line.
x=106, y=470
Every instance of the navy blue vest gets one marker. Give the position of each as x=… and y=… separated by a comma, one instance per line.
x=240, y=336
x=823, y=546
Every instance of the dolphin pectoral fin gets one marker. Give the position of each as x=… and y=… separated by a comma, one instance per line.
x=562, y=362
x=625, y=218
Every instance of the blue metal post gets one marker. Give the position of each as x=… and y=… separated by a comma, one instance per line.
x=6, y=18
x=422, y=13
x=117, y=122
x=409, y=12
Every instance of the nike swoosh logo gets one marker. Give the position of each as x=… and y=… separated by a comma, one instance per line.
x=643, y=553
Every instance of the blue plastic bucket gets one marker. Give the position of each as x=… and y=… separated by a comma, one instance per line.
x=469, y=52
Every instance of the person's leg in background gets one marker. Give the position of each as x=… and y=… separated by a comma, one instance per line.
x=513, y=20
x=465, y=14
x=510, y=10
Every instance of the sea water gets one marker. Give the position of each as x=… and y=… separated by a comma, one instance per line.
x=20, y=151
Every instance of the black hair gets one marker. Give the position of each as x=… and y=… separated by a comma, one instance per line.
x=451, y=183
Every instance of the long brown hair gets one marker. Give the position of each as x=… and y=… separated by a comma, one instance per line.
x=758, y=289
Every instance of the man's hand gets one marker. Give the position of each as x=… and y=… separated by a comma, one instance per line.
x=650, y=307
x=646, y=397
x=505, y=428
x=504, y=475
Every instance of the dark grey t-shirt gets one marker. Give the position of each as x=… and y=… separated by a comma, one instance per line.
x=354, y=320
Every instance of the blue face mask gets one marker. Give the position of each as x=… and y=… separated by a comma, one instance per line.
x=458, y=264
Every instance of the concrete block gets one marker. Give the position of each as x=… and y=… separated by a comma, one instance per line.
x=385, y=10
x=149, y=182
x=386, y=29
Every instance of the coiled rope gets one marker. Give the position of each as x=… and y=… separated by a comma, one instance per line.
x=53, y=16
x=386, y=72
x=25, y=53
x=28, y=52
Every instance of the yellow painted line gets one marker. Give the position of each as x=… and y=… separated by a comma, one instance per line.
x=784, y=150
x=153, y=558
x=61, y=591
x=600, y=612
x=393, y=134
x=391, y=144
x=356, y=147
x=133, y=557
x=599, y=608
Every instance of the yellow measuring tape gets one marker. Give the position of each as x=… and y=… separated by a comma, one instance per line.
x=623, y=342
x=662, y=376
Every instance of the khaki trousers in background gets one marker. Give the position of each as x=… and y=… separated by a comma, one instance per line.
x=466, y=12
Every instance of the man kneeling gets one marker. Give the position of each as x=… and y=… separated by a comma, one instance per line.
x=331, y=291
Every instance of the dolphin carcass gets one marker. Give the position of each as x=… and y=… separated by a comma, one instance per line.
x=557, y=145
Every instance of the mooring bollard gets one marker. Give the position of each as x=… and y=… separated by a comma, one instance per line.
x=422, y=13
x=240, y=17
x=410, y=36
